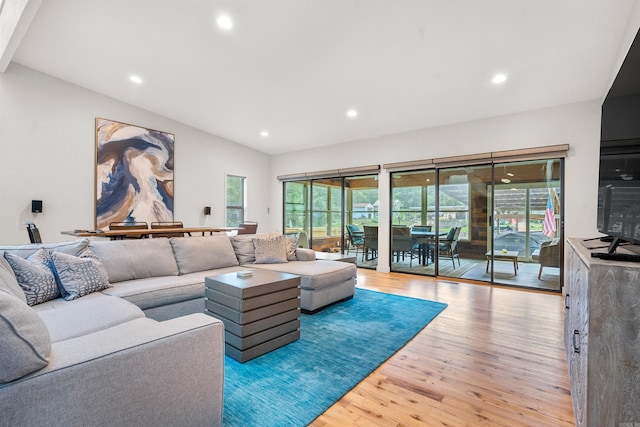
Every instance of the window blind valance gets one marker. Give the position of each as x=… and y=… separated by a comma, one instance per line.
x=535, y=153
x=333, y=173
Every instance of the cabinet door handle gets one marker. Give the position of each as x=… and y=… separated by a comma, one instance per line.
x=566, y=301
x=576, y=334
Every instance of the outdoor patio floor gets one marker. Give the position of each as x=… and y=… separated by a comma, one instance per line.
x=475, y=269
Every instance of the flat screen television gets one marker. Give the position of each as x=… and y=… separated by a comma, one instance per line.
x=619, y=174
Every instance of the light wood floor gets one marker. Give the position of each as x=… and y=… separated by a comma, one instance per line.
x=494, y=357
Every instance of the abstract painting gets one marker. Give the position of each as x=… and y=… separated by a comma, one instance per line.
x=134, y=174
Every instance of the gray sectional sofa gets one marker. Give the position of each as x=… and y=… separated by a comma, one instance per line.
x=136, y=349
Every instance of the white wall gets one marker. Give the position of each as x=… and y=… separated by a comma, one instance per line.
x=576, y=124
x=47, y=152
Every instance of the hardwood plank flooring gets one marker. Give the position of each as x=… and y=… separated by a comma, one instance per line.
x=494, y=357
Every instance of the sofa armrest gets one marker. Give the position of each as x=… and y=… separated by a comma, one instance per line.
x=304, y=254
x=138, y=373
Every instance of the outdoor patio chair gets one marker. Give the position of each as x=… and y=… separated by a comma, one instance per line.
x=370, y=242
x=448, y=247
x=548, y=255
x=356, y=238
x=400, y=242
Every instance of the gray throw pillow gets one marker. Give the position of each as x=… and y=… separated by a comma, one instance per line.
x=25, y=343
x=79, y=276
x=34, y=276
x=271, y=251
x=8, y=281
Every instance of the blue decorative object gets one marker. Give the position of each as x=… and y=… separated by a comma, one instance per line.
x=338, y=347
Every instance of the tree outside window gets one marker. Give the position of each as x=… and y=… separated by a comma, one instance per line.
x=235, y=200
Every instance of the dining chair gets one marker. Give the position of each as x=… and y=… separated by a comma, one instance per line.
x=400, y=242
x=448, y=247
x=129, y=226
x=167, y=224
x=248, y=227
x=34, y=233
x=370, y=242
x=356, y=238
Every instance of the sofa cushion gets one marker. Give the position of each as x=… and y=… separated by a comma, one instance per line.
x=34, y=276
x=316, y=275
x=82, y=316
x=25, y=343
x=158, y=291
x=271, y=250
x=135, y=259
x=203, y=253
x=79, y=276
x=72, y=247
x=8, y=281
x=243, y=246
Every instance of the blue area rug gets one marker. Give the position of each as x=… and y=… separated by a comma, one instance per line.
x=338, y=347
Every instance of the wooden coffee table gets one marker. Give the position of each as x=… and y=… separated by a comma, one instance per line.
x=260, y=313
x=504, y=256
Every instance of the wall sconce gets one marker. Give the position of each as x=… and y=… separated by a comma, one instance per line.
x=207, y=210
x=36, y=206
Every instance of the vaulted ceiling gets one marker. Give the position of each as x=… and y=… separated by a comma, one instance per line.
x=293, y=68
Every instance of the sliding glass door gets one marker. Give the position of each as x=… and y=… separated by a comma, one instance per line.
x=498, y=223
x=319, y=211
x=527, y=222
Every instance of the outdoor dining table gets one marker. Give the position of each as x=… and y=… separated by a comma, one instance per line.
x=424, y=238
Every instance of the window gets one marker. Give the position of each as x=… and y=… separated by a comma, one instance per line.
x=235, y=200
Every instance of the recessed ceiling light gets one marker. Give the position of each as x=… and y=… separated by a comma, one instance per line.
x=224, y=22
x=135, y=79
x=352, y=113
x=498, y=78
x=264, y=133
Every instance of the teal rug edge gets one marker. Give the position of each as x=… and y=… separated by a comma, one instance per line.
x=339, y=347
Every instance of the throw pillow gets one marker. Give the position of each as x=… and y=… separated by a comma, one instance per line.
x=25, y=343
x=292, y=245
x=8, y=281
x=271, y=251
x=34, y=276
x=79, y=276
x=243, y=246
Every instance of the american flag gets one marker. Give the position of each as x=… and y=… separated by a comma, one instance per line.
x=549, y=224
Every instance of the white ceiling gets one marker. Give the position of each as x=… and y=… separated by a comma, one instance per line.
x=294, y=67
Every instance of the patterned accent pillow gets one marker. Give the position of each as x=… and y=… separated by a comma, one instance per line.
x=79, y=276
x=34, y=276
x=292, y=245
x=271, y=251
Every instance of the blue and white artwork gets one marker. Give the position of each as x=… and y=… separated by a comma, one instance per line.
x=134, y=174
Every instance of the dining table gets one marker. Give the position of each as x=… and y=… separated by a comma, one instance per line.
x=148, y=232
x=423, y=239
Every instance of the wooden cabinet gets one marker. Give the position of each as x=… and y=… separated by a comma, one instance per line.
x=602, y=338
